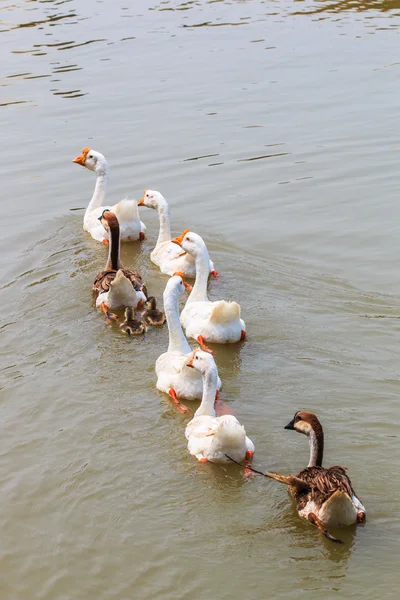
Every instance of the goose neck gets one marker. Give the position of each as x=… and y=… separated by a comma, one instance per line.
x=177, y=339
x=99, y=193
x=316, y=441
x=210, y=382
x=114, y=261
x=164, y=234
x=199, y=292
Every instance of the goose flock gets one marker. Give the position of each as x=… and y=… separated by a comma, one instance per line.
x=325, y=497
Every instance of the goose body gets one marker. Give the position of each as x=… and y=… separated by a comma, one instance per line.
x=116, y=287
x=207, y=321
x=211, y=438
x=166, y=255
x=323, y=496
x=173, y=375
x=126, y=211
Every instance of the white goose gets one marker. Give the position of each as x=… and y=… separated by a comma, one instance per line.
x=166, y=255
x=173, y=377
x=211, y=438
x=126, y=211
x=207, y=321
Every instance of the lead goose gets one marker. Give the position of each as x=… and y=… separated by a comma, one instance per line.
x=211, y=438
x=323, y=496
x=173, y=376
x=131, y=227
x=165, y=254
x=116, y=287
x=207, y=321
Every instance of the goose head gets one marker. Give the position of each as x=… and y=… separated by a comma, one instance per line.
x=305, y=422
x=177, y=285
x=152, y=199
x=92, y=160
x=203, y=362
x=109, y=220
x=191, y=242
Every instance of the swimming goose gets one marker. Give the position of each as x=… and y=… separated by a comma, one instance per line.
x=126, y=210
x=166, y=255
x=173, y=376
x=133, y=324
x=323, y=496
x=153, y=316
x=116, y=287
x=211, y=438
x=206, y=321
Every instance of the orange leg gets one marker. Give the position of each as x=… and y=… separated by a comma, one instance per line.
x=181, y=407
x=249, y=460
x=202, y=343
x=312, y=517
x=215, y=274
x=109, y=316
x=106, y=242
x=141, y=236
x=242, y=335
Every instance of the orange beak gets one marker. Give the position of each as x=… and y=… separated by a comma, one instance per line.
x=141, y=202
x=178, y=240
x=80, y=160
x=190, y=363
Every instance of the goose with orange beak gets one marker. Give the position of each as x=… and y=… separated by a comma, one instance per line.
x=205, y=321
x=211, y=438
x=126, y=211
x=173, y=376
x=166, y=255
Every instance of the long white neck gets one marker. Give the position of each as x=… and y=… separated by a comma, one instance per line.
x=177, y=339
x=199, y=292
x=164, y=235
x=210, y=381
x=99, y=190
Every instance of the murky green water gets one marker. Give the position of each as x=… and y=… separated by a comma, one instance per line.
x=271, y=128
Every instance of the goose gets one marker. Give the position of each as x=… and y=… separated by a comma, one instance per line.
x=153, y=316
x=133, y=324
x=116, y=287
x=323, y=496
x=166, y=255
x=207, y=321
x=173, y=376
x=211, y=438
x=126, y=210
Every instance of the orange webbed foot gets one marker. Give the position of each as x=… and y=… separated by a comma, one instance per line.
x=202, y=344
x=214, y=273
x=141, y=236
x=249, y=459
x=106, y=241
x=203, y=460
x=242, y=335
x=181, y=407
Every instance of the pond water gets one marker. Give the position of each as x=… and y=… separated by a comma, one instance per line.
x=270, y=127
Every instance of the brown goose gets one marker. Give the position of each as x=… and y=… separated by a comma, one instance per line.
x=323, y=496
x=116, y=287
x=153, y=316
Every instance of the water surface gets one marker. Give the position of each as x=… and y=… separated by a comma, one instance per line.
x=270, y=127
